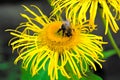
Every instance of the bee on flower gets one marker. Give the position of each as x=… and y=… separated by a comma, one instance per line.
x=77, y=10
x=58, y=43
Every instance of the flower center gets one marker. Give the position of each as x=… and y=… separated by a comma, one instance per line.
x=58, y=37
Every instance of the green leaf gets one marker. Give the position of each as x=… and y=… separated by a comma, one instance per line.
x=109, y=53
x=4, y=66
x=91, y=76
x=41, y=75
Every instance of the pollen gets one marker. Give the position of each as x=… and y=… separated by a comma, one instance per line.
x=56, y=41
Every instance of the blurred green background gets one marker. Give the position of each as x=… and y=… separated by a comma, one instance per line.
x=10, y=18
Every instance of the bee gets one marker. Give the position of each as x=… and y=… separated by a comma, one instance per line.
x=66, y=29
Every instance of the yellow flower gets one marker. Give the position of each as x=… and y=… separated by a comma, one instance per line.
x=78, y=9
x=41, y=40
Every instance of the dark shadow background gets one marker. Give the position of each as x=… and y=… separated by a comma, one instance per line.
x=10, y=18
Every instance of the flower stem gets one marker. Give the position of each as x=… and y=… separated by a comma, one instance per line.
x=49, y=1
x=112, y=41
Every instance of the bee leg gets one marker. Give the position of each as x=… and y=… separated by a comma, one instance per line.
x=63, y=33
x=59, y=30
